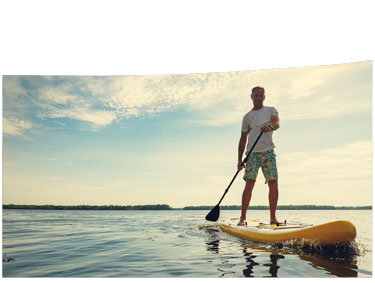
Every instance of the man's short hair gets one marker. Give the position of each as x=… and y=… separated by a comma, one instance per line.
x=257, y=87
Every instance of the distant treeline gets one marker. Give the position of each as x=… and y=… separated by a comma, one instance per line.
x=89, y=207
x=167, y=207
x=283, y=207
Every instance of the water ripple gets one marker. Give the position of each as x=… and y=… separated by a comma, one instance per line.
x=159, y=244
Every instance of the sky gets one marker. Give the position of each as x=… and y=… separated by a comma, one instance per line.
x=172, y=139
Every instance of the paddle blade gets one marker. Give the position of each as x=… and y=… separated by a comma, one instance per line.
x=214, y=214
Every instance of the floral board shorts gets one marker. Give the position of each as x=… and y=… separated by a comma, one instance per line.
x=266, y=160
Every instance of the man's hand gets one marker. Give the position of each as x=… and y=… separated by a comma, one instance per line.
x=266, y=129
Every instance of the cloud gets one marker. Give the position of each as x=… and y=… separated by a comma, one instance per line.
x=15, y=98
x=340, y=176
x=137, y=95
x=215, y=98
x=55, y=96
x=102, y=100
x=12, y=86
x=297, y=93
x=81, y=113
x=15, y=127
x=349, y=164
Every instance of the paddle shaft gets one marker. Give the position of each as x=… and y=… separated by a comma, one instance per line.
x=243, y=163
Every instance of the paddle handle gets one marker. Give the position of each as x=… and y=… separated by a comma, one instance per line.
x=243, y=163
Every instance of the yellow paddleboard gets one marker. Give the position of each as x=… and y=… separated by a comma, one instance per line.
x=336, y=232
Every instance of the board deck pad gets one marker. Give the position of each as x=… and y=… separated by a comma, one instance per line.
x=260, y=225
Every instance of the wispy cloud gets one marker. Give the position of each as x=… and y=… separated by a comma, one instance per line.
x=217, y=98
x=81, y=113
x=51, y=95
x=298, y=93
x=341, y=175
x=55, y=178
x=352, y=161
x=15, y=127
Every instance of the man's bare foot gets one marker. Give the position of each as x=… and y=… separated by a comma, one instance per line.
x=274, y=221
x=242, y=222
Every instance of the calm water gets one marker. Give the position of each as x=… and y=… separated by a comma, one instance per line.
x=152, y=244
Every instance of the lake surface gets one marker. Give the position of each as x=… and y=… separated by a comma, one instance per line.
x=154, y=244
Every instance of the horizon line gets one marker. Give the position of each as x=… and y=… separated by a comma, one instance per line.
x=138, y=205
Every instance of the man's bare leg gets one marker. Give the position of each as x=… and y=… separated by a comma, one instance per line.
x=272, y=198
x=246, y=197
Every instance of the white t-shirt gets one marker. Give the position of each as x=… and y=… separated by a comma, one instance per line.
x=252, y=122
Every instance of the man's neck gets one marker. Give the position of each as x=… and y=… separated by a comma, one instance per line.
x=257, y=108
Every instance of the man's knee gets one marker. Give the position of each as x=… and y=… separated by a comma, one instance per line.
x=249, y=184
x=273, y=185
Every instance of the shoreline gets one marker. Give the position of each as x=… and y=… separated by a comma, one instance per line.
x=168, y=207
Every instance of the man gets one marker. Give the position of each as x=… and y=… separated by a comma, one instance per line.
x=260, y=119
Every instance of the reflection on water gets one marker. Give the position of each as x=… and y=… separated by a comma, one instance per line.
x=213, y=246
x=250, y=263
x=273, y=265
x=165, y=244
x=332, y=266
x=213, y=243
x=339, y=260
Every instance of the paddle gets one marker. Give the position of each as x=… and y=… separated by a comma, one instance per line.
x=214, y=214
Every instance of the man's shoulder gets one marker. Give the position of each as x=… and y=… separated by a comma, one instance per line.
x=248, y=114
x=271, y=109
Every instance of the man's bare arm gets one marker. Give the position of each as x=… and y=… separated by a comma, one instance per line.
x=241, y=149
x=274, y=123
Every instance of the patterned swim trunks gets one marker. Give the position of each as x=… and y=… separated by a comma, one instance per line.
x=266, y=160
